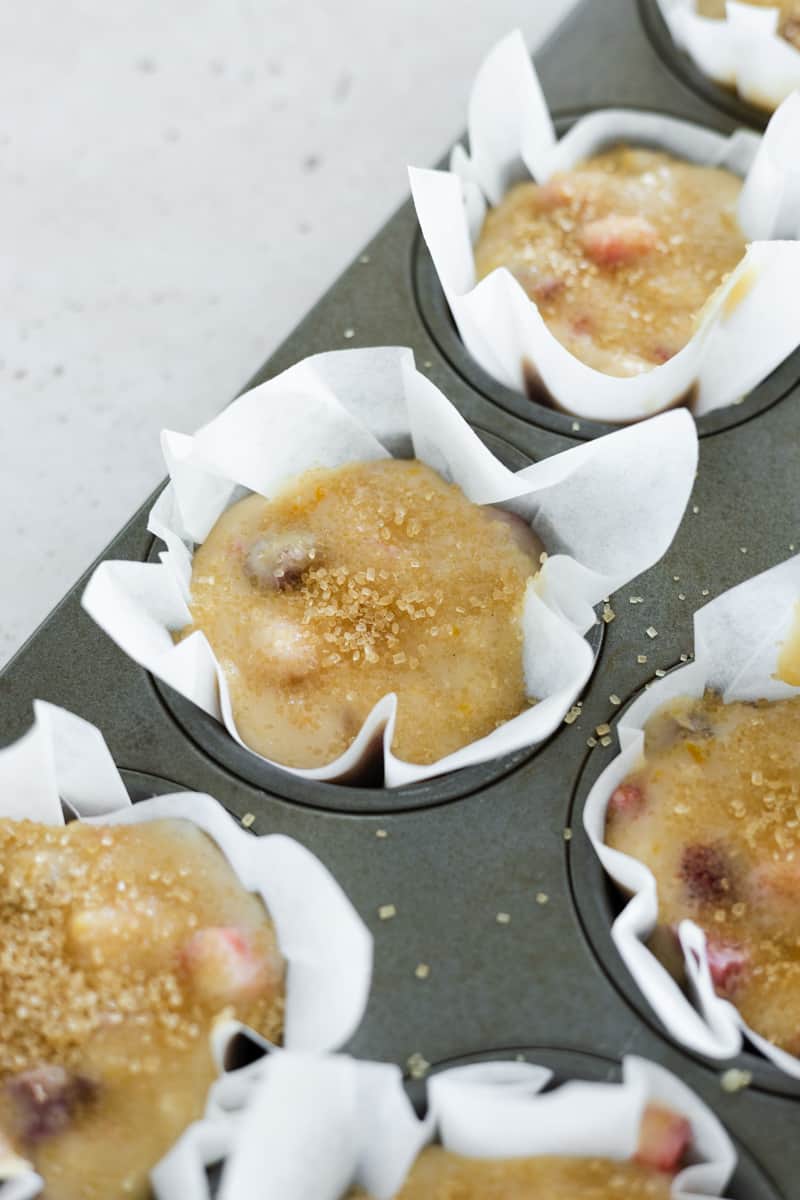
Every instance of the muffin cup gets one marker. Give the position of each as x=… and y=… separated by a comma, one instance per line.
x=748, y=326
x=743, y=51
x=363, y=1129
x=605, y=511
x=738, y=641
x=328, y=950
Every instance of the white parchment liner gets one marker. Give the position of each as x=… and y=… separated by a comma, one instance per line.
x=328, y=949
x=312, y=1126
x=605, y=511
x=512, y=137
x=738, y=639
x=743, y=51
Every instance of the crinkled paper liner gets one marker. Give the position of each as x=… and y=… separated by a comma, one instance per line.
x=605, y=511
x=743, y=51
x=327, y=948
x=311, y=1126
x=738, y=639
x=747, y=328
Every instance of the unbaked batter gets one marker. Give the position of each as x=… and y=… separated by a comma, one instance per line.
x=119, y=948
x=665, y=1136
x=620, y=253
x=359, y=581
x=714, y=812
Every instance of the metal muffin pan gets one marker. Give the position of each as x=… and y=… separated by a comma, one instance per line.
x=679, y=61
x=462, y=849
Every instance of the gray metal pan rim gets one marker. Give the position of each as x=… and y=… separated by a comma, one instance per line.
x=141, y=785
x=683, y=69
x=438, y=321
x=212, y=740
x=597, y=902
x=750, y=1181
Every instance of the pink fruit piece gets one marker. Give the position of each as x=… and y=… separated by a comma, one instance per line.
x=705, y=870
x=664, y=1138
x=726, y=962
x=615, y=240
x=548, y=289
x=627, y=800
x=45, y=1100
x=583, y=326
x=224, y=966
x=277, y=561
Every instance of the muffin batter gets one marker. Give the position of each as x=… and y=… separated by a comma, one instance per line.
x=121, y=945
x=788, y=24
x=440, y=1175
x=714, y=812
x=355, y=582
x=620, y=254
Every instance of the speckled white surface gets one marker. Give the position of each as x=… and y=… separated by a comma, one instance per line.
x=179, y=183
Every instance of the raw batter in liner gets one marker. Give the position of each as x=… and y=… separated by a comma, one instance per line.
x=788, y=24
x=119, y=948
x=714, y=812
x=665, y=1137
x=620, y=253
x=359, y=581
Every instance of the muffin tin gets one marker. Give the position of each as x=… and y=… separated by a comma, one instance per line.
x=679, y=61
x=459, y=850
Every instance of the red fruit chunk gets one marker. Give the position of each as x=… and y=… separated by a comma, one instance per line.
x=278, y=561
x=45, y=1099
x=548, y=289
x=664, y=1138
x=627, y=800
x=726, y=962
x=224, y=966
x=706, y=872
x=615, y=240
x=583, y=326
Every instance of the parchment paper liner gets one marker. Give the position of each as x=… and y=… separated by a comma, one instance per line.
x=312, y=1126
x=606, y=511
x=511, y=138
x=738, y=638
x=744, y=51
x=327, y=947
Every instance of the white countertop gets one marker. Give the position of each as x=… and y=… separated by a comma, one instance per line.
x=180, y=182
